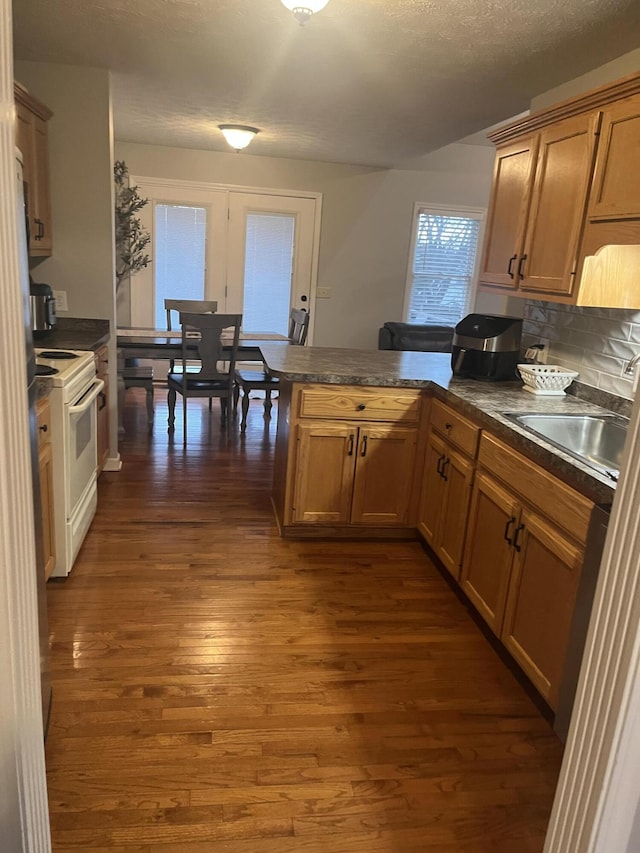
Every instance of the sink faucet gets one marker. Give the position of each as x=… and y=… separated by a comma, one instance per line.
x=628, y=368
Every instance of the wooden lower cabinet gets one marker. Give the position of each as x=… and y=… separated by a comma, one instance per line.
x=542, y=595
x=444, y=505
x=102, y=372
x=45, y=469
x=521, y=573
x=486, y=571
x=353, y=473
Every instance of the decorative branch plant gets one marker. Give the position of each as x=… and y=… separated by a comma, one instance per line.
x=131, y=237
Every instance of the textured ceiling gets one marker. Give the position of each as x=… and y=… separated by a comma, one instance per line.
x=373, y=82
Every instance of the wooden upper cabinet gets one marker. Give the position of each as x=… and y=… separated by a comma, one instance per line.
x=616, y=184
x=558, y=205
x=508, y=212
x=32, y=140
x=583, y=196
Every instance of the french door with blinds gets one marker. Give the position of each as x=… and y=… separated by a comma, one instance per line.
x=255, y=253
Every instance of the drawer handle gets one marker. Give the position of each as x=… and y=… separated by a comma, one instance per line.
x=350, y=449
x=103, y=400
x=506, y=529
x=40, y=233
x=363, y=452
x=510, y=267
x=516, y=543
x=448, y=426
x=44, y=428
x=361, y=407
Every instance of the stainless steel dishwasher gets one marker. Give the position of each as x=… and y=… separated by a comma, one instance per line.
x=581, y=615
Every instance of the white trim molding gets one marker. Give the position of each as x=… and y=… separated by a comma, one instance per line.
x=599, y=787
x=25, y=819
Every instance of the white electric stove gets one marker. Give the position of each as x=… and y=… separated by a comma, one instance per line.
x=74, y=445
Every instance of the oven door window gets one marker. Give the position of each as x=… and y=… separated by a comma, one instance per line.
x=82, y=456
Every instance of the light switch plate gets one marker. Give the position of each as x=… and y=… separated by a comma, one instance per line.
x=61, y=300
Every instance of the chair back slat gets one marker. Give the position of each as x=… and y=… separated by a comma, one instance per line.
x=209, y=344
x=195, y=306
x=298, y=326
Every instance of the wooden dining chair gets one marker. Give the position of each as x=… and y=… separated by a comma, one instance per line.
x=213, y=375
x=193, y=306
x=261, y=380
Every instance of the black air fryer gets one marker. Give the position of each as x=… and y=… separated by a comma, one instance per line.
x=486, y=347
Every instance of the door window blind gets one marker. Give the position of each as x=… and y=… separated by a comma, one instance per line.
x=444, y=261
x=180, y=242
x=268, y=271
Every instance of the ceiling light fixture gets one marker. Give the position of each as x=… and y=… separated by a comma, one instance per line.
x=304, y=9
x=238, y=135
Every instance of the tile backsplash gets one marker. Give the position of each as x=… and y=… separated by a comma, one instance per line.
x=597, y=342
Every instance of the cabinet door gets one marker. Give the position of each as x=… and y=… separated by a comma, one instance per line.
x=384, y=475
x=432, y=494
x=43, y=238
x=541, y=600
x=486, y=569
x=507, y=218
x=324, y=469
x=457, y=478
x=558, y=207
x=45, y=465
x=616, y=184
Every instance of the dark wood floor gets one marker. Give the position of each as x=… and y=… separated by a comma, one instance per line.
x=219, y=689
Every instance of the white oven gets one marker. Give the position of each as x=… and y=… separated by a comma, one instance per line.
x=74, y=445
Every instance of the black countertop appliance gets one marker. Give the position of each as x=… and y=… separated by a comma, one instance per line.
x=486, y=347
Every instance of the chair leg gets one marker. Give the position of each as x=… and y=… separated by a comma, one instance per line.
x=267, y=402
x=150, y=412
x=223, y=410
x=184, y=420
x=236, y=397
x=245, y=408
x=171, y=400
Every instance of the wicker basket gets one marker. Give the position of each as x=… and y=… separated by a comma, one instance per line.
x=546, y=379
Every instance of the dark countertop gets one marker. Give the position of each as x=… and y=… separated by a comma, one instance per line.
x=484, y=402
x=74, y=333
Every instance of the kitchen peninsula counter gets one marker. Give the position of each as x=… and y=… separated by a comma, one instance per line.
x=484, y=402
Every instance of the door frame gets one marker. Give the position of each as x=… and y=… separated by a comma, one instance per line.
x=200, y=186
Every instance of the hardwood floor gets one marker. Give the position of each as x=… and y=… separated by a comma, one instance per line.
x=219, y=689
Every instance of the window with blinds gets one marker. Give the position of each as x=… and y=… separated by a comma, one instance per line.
x=267, y=271
x=179, y=259
x=443, y=267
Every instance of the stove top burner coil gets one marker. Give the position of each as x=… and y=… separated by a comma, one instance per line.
x=45, y=370
x=57, y=354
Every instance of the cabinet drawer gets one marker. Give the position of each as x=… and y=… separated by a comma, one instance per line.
x=559, y=502
x=43, y=415
x=102, y=362
x=454, y=427
x=362, y=404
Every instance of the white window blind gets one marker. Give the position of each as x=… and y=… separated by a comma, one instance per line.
x=267, y=273
x=179, y=261
x=443, y=265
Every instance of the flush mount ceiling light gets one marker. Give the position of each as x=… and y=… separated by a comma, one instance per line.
x=304, y=9
x=238, y=135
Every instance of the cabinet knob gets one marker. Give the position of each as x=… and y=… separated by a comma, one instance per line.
x=44, y=428
x=448, y=426
x=361, y=407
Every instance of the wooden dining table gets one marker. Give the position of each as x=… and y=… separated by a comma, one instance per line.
x=132, y=343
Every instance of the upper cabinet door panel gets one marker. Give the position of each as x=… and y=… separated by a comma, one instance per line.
x=616, y=185
x=562, y=182
x=507, y=219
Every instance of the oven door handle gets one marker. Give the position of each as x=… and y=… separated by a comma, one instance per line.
x=87, y=398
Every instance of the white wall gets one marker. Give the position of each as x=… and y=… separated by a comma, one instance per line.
x=366, y=219
x=81, y=177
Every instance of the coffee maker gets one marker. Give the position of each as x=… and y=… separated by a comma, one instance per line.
x=43, y=307
x=486, y=347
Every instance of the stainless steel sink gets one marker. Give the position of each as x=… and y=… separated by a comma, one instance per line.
x=597, y=440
